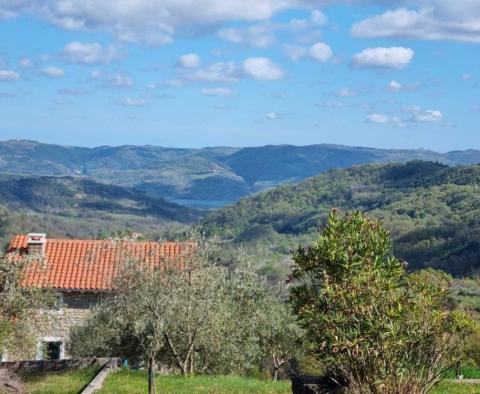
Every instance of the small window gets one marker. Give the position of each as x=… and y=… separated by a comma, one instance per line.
x=52, y=350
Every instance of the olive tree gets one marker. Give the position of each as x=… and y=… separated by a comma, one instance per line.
x=191, y=314
x=376, y=329
x=21, y=307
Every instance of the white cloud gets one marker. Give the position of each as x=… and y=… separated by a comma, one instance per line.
x=320, y=52
x=393, y=57
x=347, y=92
x=377, y=118
x=294, y=52
x=318, y=18
x=272, y=115
x=216, y=72
x=25, y=62
x=189, y=60
x=427, y=116
x=53, y=72
x=433, y=20
x=395, y=86
x=176, y=83
x=8, y=75
x=132, y=102
x=222, y=92
x=119, y=81
x=259, y=35
x=89, y=53
x=262, y=68
x=419, y=115
x=154, y=22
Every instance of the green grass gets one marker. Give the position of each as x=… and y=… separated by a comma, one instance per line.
x=467, y=372
x=133, y=382
x=448, y=387
x=70, y=382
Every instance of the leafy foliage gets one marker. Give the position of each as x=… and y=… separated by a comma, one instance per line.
x=191, y=315
x=432, y=212
x=376, y=328
x=20, y=307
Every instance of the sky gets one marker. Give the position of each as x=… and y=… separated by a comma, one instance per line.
x=195, y=73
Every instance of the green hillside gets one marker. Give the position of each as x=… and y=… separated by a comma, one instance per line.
x=432, y=211
x=80, y=207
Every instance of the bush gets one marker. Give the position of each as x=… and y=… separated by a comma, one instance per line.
x=375, y=328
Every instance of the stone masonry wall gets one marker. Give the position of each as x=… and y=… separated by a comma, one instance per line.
x=58, y=323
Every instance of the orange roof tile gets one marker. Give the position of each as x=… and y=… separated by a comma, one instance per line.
x=89, y=265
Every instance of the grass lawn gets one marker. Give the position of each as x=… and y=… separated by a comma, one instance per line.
x=447, y=387
x=70, y=382
x=133, y=382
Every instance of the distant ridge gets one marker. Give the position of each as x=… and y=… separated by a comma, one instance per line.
x=213, y=173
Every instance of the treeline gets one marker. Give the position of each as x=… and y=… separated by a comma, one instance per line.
x=432, y=212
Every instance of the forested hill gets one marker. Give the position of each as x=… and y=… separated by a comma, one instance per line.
x=432, y=211
x=217, y=173
x=80, y=207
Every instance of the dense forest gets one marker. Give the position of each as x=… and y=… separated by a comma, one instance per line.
x=431, y=210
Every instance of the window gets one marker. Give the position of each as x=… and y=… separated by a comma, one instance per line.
x=51, y=348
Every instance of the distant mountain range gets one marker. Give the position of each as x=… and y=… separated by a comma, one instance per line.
x=431, y=210
x=212, y=174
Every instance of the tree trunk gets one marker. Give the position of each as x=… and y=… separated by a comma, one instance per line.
x=275, y=374
x=151, y=377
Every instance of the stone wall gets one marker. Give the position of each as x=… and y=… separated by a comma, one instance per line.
x=55, y=325
x=29, y=366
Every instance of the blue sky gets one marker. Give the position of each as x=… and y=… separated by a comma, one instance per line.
x=391, y=73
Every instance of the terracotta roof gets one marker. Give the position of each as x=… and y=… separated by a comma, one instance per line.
x=88, y=265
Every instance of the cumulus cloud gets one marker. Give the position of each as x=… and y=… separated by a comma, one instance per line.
x=119, y=80
x=347, y=92
x=25, y=62
x=272, y=115
x=318, y=18
x=420, y=115
x=189, y=60
x=377, y=118
x=216, y=72
x=393, y=57
x=427, y=116
x=132, y=102
x=221, y=91
x=395, y=86
x=8, y=75
x=53, y=72
x=294, y=52
x=320, y=52
x=434, y=20
x=259, y=35
x=153, y=22
x=89, y=53
x=262, y=68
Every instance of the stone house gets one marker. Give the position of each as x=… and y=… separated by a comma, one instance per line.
x=80, y=272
